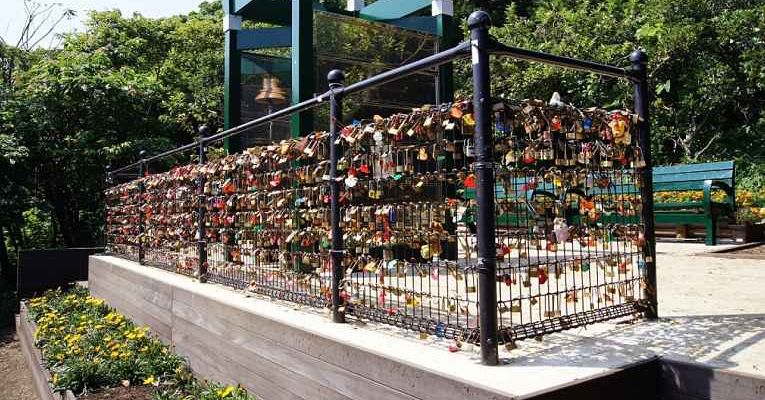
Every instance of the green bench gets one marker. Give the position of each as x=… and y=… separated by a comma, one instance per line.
x=696, y=177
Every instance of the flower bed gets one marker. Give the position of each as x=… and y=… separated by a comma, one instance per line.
x=89, y=347
x=750, y=203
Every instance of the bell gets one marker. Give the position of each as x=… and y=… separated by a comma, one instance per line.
x=271, y=92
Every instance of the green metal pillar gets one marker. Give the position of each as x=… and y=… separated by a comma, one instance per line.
x=232, y=87
x=443, y=12
x=303, y=66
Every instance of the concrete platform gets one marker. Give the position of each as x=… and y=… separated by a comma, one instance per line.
x=713, y=313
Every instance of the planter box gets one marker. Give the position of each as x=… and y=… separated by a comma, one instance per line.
x=40, y=375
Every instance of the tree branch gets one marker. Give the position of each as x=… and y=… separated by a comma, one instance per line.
x=705, y=148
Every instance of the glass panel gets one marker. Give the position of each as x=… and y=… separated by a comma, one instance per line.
x=266, y=87
x=363, y=49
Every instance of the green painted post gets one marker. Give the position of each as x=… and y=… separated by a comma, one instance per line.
x=232, y=86
x=303, y=66
x=443, y=12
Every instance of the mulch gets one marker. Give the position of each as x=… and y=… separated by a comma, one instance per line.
x=122, y=393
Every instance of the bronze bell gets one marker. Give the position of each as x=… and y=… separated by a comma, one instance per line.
x=272, y=91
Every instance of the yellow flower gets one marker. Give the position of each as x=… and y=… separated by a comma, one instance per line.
x=151, y=380
x=225, y=392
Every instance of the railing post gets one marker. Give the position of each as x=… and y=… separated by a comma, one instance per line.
x=201, y=209
x=141, y=191
x=335, y=78
x=109, y=177
x=479, y=23
x=639, y=61
x=107, y=183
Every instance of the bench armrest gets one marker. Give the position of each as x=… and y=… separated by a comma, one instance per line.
x=709, y=185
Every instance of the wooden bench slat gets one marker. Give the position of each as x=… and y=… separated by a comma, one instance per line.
x=678, y=205
x=677, y=186
x=722, y=165
x=695, y=177
x=680, y=218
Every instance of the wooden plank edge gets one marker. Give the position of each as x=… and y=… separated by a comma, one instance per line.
x=40, y=375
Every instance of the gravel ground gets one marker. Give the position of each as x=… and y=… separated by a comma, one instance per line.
x=15, y=378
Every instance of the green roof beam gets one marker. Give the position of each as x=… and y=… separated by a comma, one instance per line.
x=265, y=38
x=382, y=10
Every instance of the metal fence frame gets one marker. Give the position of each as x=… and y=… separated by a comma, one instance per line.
x=479, y=49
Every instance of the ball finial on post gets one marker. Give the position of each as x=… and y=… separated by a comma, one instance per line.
x=639, y=57
x=479, y=19
x=335, y=77
x=204, y=131
x=142, y=154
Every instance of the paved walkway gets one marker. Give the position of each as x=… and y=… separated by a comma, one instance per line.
x=712, y=311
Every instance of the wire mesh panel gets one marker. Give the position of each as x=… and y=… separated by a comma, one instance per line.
x=267, y=220
x=568, y=234
x=408, y=256
x=567, y=215
x=170, y=220
x=122, y=215
x=569, y=238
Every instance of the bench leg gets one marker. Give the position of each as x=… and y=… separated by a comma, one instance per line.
x=681, y=231
x=711, y=230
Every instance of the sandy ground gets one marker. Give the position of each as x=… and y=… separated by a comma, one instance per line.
x=15, y=378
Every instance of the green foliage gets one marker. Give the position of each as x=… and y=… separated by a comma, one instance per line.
x=88, y=346
x=705, y=68
x=123, y=85
x=37, y=228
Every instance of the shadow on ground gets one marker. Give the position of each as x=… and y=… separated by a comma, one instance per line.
x=713, y=340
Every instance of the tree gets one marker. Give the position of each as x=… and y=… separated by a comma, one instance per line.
x=705, y=67
x=124, y=85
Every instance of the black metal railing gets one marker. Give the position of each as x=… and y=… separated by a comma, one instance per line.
x=483, y=222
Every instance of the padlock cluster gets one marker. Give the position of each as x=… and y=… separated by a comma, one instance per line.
x=410, y=220
x=535, y=134
x=123, y=204
x=567, y=206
